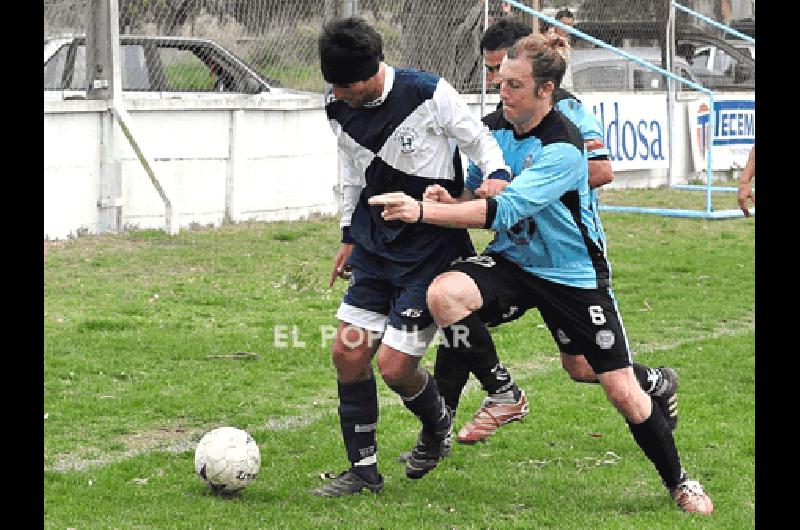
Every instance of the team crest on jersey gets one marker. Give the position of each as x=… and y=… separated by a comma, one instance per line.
x=562, y=337
x=408, y=140
x=528, y=162
x=605, y=338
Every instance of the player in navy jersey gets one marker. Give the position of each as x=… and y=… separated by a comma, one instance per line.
x=548, y=252
x=505, y=401
x=397, y=129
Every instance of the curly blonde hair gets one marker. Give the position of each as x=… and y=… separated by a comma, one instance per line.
x=543, y=51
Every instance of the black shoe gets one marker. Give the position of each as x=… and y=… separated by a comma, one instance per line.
x=347, y=483
x=666, y=396
x=429, y=449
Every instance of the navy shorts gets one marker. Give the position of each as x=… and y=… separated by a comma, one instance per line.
x=581, y=321
x=382, y=299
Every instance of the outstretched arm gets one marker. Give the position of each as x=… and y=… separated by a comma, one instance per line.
x=745, y=188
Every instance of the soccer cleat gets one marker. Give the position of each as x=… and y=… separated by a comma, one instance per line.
x=666, y=396
x=491, y=416
x=347, y=483
x=429, y=449
x=691, y=497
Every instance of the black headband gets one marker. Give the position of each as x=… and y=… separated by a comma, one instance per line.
x=343, y=72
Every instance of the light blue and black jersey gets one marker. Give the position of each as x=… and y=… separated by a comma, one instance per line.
x=544, y=220
x=405, y=141
x=590, y=128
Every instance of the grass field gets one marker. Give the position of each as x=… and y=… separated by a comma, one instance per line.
x=143, y=333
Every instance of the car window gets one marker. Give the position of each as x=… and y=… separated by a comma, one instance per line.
x=700, y=58
x=54, y=69
x=600, y=78
x=186, y=72
x=722, y=62
x=648, y=80
x=78, y=81
x=134, y=68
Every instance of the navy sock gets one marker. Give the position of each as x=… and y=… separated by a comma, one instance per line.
x=655, y=438
x=450, y=372
x=428, y=406
x=358, y=416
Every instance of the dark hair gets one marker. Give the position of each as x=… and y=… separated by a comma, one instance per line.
x=564, y=13
x=503, y=34
x=350, y=50
x=546, y=61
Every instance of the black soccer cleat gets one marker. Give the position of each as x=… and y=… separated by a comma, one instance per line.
x=429, y=449
x=666, y=396
x=347, y=483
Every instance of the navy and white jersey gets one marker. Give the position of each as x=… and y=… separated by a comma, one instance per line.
x=405, y=141
x=543, y=220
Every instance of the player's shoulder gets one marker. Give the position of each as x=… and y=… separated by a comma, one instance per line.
x=413, y=80
x=495, y=120
x=558, y=128
x=561, y=94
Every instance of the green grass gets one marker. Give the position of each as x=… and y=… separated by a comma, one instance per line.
x=138, y=327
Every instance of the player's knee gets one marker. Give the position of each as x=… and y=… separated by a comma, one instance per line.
x=350, y=346
x=393, y=373
x=442, y=295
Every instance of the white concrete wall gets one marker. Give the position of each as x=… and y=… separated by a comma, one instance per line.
x=251, y=160
x=215, y=157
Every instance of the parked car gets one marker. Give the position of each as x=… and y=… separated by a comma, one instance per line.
x=719, y=64
x=156, y=64
x=602, y=70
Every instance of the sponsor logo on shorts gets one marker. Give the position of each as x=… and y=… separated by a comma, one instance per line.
x=562, y=337
x=412, y=313
x=511, y=311
x=483, y=261
x=605, y=338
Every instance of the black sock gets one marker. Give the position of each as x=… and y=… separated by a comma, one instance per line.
x=655, y=438
x=428, y=406
x=450, y=372
x=649, y=378
x=358, y=416
x=472, y=341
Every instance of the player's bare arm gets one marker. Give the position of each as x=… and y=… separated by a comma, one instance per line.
x=340, y=269
x=402, y=207
x=600, y=173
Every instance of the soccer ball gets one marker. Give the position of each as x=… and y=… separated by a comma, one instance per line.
x=227, y=459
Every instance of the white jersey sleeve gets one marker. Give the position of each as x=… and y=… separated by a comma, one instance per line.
x=352, y=184
x=473, y=137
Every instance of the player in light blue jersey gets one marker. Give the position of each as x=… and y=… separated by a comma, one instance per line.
x=548, y=253
x=397, y=129
x=505, y=401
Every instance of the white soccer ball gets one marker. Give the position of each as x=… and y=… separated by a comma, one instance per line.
x=227, y=459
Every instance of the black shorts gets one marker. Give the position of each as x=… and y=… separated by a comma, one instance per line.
x=582, y=321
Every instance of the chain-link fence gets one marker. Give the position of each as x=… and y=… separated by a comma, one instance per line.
x=278, y=38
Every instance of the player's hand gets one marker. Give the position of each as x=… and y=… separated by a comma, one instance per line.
x=746, y=192
x=490, y=188
x=437, y=193
x=397, y=206
x=340, y=267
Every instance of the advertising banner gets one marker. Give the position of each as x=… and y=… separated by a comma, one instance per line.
x=734, y=134
x=635, y=128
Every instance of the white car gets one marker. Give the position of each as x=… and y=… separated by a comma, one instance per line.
x=171, y=66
